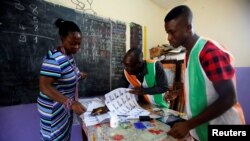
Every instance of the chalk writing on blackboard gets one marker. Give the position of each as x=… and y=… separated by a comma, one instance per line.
x=118, y=51
x=135, y=35
x=27, y=33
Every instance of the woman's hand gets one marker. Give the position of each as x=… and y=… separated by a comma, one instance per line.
x=78, y=108
x=83, y=75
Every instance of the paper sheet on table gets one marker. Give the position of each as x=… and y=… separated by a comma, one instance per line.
x=88, y=102
x=91, y=104
x=90, y=120
x=121, y=102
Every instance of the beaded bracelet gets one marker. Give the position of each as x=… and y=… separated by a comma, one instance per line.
x=68, y=103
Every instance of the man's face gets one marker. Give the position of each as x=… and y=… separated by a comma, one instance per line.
x=177, y=31
x=132, y=65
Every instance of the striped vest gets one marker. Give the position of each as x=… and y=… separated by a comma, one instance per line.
x=200, y=93
x=148, y=81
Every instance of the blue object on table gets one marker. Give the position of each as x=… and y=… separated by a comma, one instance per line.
x=139, y=125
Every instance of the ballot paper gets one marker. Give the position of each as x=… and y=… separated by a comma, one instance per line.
x=94, y=102
x=91, y=104
x=123, y=103
x=90, y=120
x=119, y=102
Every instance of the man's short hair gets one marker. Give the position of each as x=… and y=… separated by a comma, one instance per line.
x=178, y=11
x=136, y=52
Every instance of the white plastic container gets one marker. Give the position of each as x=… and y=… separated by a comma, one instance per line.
x=114, y=120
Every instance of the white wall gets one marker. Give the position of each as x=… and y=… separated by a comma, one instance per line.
x=226, y=21
x=222, y=20
x=142, y=12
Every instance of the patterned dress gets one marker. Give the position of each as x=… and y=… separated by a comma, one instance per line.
x=55, y=120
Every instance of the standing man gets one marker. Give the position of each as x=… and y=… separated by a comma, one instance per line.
x=146, y=76
x=209, y=79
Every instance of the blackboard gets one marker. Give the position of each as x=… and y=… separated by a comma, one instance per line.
x=27, y=32
x=118, y=51
x=135, y=35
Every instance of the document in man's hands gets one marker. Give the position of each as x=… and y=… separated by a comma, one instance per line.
x=121, y=102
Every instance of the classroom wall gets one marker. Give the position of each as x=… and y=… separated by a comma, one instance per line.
x=21, y=123
x=243, y=91
x=143, y=12
x=225, y=20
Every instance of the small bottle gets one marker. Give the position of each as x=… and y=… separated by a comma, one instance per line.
x=114, y=120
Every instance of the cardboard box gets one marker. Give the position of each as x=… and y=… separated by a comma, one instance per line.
x=158, y=51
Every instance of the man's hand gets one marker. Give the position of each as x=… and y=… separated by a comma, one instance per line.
x=179, y=130
x=137, y=91
x=170, y=95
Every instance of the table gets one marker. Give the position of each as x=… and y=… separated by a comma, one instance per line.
x=156, y=131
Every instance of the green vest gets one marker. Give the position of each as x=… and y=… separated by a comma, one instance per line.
x=158, y=99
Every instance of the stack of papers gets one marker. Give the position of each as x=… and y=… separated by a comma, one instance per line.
x=119, y=102
x=91, y=104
